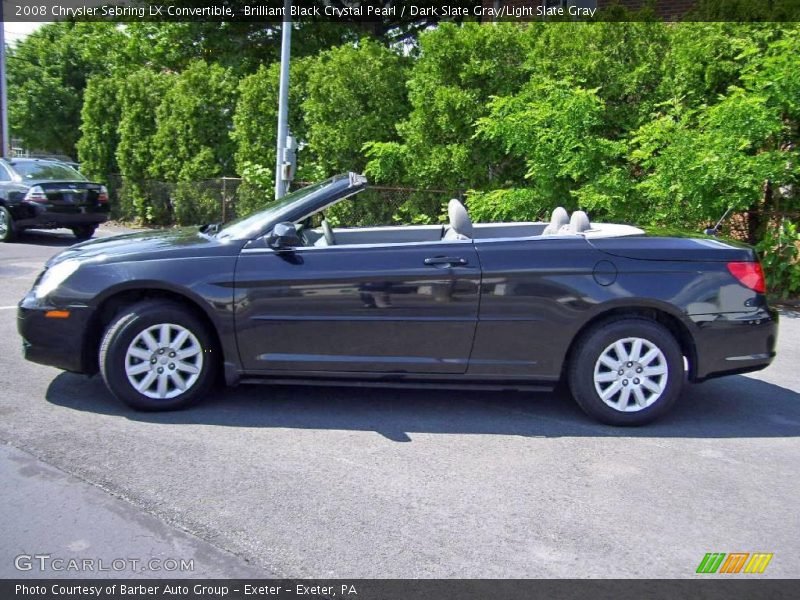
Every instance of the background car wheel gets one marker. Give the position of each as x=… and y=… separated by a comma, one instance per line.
x=156, y=355
x=8, y=232
x=84, y=232
x=626, y=372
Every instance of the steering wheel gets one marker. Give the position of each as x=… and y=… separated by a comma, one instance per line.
x=327, y=232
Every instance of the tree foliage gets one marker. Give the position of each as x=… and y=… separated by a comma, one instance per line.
x=193, y=141
x=255, y=130
x=193, y=124
x=47, y=74
x=141, y=92
x=450, y=84
x=242, y=46
x=352, y=97
x=543, y=120
x=732, y=142
x=340, y=99
x=100, y=116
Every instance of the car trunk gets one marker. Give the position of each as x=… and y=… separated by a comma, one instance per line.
x=674, y=249
x=71, y=194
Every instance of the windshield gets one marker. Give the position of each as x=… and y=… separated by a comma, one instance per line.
x=247, y=227
x=45, y=170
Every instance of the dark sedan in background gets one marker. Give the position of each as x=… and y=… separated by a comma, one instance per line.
x=282, y=296
x=47, y=194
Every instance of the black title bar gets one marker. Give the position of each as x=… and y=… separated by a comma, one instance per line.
x=399, y=11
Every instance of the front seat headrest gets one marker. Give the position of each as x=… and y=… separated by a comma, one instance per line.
x=460, y=223
x=579, y=222
x=558, y=219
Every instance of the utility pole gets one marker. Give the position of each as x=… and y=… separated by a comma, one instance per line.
x=5, y=148
x=281, y=177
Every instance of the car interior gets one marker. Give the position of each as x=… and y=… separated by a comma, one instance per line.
x=460, y=227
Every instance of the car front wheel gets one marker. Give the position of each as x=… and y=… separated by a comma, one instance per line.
x=627, y=372
x=157, y=356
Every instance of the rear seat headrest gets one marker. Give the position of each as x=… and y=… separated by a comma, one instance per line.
x=579, y=222
x=558, y=219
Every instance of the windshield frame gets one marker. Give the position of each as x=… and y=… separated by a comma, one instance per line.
x=293, y=207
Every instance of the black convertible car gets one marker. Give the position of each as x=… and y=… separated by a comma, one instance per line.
x=624, y=318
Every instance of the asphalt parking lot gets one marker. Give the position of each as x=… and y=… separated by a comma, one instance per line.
x=317, y=482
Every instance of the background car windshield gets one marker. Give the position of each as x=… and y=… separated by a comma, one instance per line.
x=249, y=226
x=47, y=171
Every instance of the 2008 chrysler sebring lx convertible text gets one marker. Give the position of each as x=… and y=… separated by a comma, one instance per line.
x=623, y=317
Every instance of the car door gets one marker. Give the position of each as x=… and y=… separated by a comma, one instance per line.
x=398, y=308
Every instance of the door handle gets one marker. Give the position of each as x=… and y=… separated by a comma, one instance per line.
x=445, y=261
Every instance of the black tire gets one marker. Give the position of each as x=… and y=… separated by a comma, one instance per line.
x=83, y=232
x=596, y=342
x=8, y=230
x=127, y=325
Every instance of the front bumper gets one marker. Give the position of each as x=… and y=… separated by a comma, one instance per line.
x=56, y=342
x=732, y=344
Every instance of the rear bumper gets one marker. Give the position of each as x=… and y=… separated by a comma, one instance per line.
x=50, y=341
x=32, y=214
x=732, y=344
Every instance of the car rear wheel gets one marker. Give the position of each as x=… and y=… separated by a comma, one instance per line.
x=627, y=372
x=8, y=231
x=157, y=356
x=84, y=232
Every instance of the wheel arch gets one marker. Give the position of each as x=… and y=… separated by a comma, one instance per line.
x=117, y=299
x=652, y=312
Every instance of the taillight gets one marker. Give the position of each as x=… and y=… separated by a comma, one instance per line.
x=102, y=195
x=749, y=275
x=36, y=194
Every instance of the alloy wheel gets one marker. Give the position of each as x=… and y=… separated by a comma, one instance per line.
x=164, y=361
x=631, y=374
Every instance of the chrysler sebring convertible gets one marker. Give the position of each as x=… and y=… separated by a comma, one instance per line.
x=623, y=317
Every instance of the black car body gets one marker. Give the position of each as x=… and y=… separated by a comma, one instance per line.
x=47, y=194
x=509, y=306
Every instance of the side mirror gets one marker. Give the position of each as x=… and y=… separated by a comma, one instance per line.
x=284, y=236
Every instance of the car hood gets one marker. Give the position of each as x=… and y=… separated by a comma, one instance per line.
x=157, y=244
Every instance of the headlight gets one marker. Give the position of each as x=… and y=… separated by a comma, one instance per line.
x=55, y=276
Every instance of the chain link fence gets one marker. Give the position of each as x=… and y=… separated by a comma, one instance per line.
x=163, y=203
